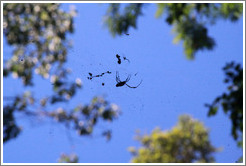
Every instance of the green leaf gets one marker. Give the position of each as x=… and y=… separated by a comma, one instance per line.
x=212, y=111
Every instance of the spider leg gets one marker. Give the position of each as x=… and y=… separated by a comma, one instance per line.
x=134, y=86
x=117, y=77
x=128, y=78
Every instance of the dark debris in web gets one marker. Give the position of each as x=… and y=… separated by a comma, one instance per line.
x=119, y=82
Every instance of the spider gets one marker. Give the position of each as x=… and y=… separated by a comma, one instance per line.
x=122, y=83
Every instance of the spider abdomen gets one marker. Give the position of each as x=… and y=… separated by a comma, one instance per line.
x=120, y=84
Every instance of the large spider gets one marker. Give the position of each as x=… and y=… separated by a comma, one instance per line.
x=122, y=83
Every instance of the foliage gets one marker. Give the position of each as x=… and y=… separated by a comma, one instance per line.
x=72, y=158
x=231, y=102
x=38, y=36
x=119, y=23
x=81, y=118
x=189, y=21
x=10, y=129
x=187, y=142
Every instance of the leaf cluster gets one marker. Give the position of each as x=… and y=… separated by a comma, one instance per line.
x=232, y=101
x=187, y=142
x=189, y=20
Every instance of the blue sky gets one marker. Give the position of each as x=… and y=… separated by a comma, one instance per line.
x=172, y=86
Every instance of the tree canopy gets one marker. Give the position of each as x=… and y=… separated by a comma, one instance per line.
x=232, y=102
x=189, y=21
x=186, y=142
x=38, y=36
x=65, y=158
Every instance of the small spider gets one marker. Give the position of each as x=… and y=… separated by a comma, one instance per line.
x=122, y=83
x=126, y=59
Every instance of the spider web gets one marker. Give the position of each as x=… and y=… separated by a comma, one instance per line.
x=84, y=61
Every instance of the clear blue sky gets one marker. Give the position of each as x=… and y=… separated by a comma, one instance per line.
x=171, y=86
